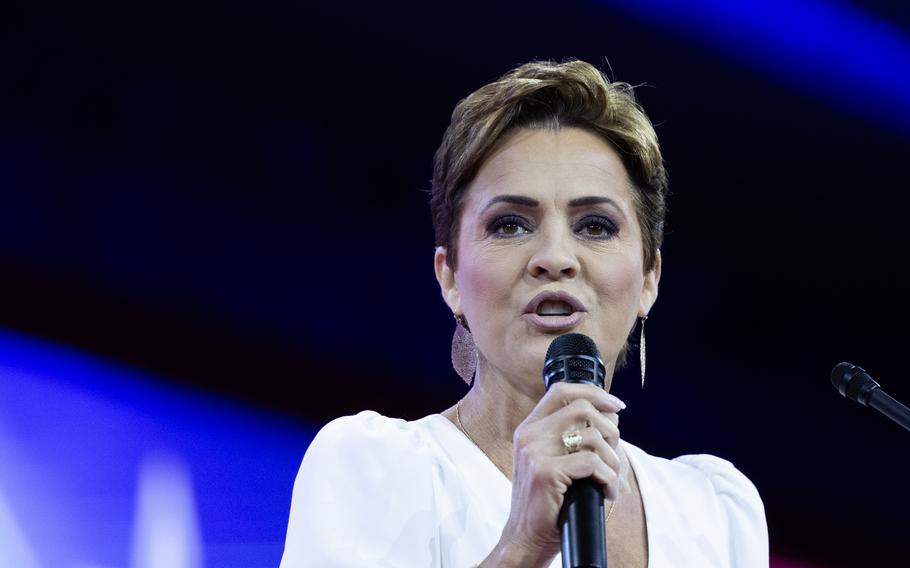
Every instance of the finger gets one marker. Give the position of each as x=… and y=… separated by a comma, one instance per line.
x=563, y=394
x=623, y=471
x=583, y=465
x=582, y=414
x=593, y=441
x=613, y=417
x=590, y=440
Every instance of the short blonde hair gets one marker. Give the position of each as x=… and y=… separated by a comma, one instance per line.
x=544, y=94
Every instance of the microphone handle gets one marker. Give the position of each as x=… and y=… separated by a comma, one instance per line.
x=881, y=401
x=582, y=526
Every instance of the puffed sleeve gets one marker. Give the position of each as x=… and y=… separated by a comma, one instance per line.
x=364, y=496
x=742, y=507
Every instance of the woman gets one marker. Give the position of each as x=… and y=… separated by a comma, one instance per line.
x=548, y=204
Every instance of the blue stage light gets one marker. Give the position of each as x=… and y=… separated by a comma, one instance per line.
x=831, y=51
x=100, y=464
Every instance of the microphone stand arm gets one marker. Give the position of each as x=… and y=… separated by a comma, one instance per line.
x=882, y=401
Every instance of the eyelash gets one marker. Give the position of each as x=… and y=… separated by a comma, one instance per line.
x=609, y=227
x=497, y=225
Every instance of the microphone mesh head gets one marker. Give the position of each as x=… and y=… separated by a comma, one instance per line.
x=573, y=358
x=572, y=344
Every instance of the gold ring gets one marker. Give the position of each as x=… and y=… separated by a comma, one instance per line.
x=571, y=439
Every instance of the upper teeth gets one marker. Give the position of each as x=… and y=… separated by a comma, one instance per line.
x=554, y=308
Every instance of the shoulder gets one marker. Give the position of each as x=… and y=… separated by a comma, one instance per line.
x=367, y=440
x=739, y=505
x=371, y=476
x=713, y=496
x=370, y=430
x=724, y=478
x=736, y=495
x=712, y=473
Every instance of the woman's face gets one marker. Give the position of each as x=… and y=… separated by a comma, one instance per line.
x=549, y=243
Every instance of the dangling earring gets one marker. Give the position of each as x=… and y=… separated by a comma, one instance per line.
x=641, y=349
x=464, y=352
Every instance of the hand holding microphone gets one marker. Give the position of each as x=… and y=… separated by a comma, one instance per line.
x=559, y=481
x=574, y=358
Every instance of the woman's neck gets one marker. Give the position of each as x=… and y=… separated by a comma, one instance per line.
x=488, y=416
x=491, y=411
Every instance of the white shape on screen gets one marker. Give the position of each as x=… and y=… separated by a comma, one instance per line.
x=166, y=529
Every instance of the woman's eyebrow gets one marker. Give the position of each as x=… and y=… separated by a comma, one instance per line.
x=598, y=200
x=529, y=202
x=593, y=200
x=514, y=199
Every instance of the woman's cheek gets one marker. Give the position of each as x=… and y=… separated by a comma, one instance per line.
x=619, y=291
x=487, y=279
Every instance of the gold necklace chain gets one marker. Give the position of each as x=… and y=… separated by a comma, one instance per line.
x=473, y=441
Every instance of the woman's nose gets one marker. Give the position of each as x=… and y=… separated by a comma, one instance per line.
x=554, y=258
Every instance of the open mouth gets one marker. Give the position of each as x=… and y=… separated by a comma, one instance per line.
x=554, y=308
x=555, y=311
x=554, y=303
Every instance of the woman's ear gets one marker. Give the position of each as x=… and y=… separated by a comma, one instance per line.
x=649, y=289
x=446, y=278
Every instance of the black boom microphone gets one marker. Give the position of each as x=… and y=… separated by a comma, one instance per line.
x=855, y=383
x=574, y=358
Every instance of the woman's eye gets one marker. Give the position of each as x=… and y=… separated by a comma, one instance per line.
x=596, y=227
x=509, y=226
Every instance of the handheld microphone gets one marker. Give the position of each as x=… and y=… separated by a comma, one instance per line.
x=855, y=383
x=574, y=358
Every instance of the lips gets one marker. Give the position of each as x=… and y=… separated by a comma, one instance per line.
x=554, y=311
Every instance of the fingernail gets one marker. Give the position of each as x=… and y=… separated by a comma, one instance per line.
x=617, y=400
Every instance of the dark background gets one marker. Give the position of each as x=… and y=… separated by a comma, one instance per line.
x=233, y=196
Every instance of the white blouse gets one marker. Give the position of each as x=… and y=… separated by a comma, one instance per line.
x=377, y=491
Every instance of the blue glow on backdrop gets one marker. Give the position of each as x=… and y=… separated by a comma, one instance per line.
x=831, y=51
x=100, y=466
